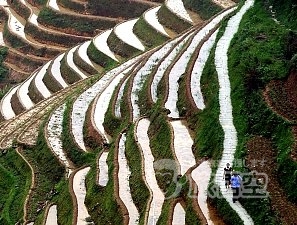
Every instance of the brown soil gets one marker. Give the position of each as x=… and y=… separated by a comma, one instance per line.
x=281, y=96
x=262, y=158
x=284, y=102
x=92, y=137
x=294, y=147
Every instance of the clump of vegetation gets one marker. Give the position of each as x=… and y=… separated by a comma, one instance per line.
x=148, y=34
x=3, y=69
x=161, y=146
x=100, y=58
x=259, y=54
x=83, y=26
x=171, y=20
x=15, y=177
x=139, y=191
x=73, y=152
x=100, y=200
x=206, y=9
x=117, y=8
x=224, y=209
x=49, y=172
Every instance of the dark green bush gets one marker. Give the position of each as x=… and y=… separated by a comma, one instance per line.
x=3, y=69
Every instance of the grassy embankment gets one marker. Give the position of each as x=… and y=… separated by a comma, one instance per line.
x=15, y=181
x=259, y=54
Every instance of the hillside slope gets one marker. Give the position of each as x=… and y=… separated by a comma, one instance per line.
x=137, y=128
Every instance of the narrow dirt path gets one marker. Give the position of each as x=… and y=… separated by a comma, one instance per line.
x=19, y=151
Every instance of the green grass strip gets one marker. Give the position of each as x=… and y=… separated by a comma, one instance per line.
x=205, y=8
x=138, y=188
x=15, y=181
x=257, y=56
x=48, y=172
x=102, y=205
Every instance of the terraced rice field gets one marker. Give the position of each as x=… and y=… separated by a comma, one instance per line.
x=108, y=114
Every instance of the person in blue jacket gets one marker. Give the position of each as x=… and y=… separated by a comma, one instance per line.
x=236, y=182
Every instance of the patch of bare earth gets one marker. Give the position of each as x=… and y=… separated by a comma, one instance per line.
x=262, y=158
x=281, y=96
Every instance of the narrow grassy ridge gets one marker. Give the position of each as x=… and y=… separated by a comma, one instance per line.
x=15, y=181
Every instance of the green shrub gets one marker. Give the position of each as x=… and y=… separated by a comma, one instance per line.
x=285, y=12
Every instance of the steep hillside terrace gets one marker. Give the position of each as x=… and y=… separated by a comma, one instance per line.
x=41, y=33
x=16, y=26
x=115, y=45
x=121, y=9
x=26, y=126
x=123, y=139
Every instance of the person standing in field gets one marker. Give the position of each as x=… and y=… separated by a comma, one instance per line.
x=227, y=175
